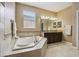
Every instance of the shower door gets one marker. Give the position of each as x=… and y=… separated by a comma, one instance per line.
x=7, y=13
x=1, y=27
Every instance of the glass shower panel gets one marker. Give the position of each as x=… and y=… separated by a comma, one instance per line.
x=1, y=28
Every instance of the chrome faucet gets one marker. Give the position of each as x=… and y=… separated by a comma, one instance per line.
x=35, y=39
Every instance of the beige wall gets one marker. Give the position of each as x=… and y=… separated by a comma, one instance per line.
x=39, y=12
x=66, y=16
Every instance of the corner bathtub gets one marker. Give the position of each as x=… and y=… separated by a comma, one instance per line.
x=28, y=47
x=27, y=42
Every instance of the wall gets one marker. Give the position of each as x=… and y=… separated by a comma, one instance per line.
x=66, y=16
x=75, y=7
x=19, y=19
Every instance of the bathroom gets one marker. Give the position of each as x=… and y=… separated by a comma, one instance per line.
x=27, y=30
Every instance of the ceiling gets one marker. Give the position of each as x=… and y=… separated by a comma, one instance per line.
x=51, y=6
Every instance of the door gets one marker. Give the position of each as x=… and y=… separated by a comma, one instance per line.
x=77, y=29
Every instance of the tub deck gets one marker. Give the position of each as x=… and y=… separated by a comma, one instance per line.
x=36, y=51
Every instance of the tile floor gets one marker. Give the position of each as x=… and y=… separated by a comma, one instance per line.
x=62, y=49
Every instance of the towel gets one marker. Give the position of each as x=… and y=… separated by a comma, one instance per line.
x=67, y=29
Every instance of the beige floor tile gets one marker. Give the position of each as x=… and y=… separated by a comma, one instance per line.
x=62, y=49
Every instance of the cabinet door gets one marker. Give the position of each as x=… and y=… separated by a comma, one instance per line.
x=56, y=37
x=60, y=36
x=50, y=39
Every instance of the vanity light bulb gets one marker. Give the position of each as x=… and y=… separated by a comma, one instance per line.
x=42, y=17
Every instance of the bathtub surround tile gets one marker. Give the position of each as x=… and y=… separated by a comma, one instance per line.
x=62, y=49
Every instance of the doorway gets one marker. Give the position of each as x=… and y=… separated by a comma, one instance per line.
x=77, y=29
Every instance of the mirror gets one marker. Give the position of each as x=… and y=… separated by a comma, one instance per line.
x=51, y=24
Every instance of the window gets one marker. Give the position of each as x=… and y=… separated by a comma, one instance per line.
x=29, y=18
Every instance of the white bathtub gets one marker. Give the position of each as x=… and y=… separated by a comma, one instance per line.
x=26, y=42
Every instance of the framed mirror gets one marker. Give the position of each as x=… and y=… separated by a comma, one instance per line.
x=59, y=24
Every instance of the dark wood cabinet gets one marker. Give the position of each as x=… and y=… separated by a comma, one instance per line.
x=53, y=37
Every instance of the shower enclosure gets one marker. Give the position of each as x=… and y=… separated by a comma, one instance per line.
x=7, y=13
x=1, y=27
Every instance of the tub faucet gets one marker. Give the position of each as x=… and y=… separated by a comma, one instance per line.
x=35, y=39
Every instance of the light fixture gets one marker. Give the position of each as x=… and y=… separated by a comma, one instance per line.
x=50, y=18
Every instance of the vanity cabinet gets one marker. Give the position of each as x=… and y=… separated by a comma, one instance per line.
x=53, y=37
